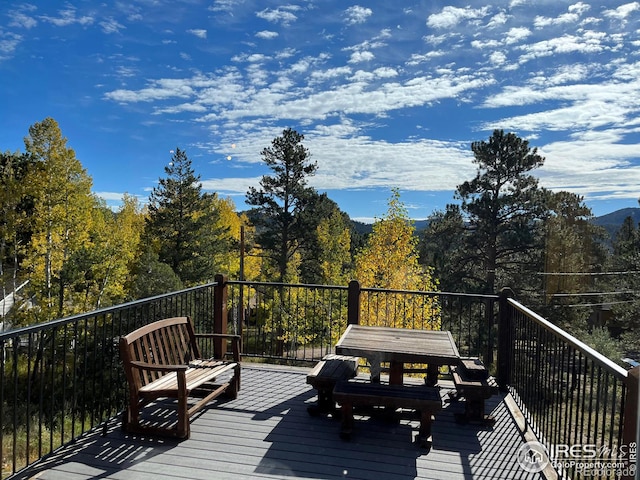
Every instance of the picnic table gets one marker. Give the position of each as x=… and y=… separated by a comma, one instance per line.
x=399, y=346
x=396, y=346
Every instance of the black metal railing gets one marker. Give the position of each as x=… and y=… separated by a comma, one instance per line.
x=303, y=322
x=574, y=399
x=63, y=378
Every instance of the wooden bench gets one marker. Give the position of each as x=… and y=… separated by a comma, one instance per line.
x=422, y=398
x=324, y=376
x=472, y=382
x=162, y=360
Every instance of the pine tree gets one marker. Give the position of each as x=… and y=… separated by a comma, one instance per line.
x=181, y=223
x=501, y=205
x=281, y=199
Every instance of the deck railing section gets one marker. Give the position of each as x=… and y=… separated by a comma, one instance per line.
x=578, y=403
x=304, y=322
x=63, y=378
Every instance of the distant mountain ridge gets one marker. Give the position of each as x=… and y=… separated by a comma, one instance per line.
x=618, y=217
x=610, y=221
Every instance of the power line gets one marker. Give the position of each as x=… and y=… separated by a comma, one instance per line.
x=585, y=294
x=628, y=272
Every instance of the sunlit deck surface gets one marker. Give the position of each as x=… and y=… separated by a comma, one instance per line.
x=267, y=433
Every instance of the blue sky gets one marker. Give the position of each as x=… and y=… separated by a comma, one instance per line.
x=387, y=94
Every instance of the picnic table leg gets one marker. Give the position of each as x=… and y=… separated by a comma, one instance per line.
x=396, y=372
x=432, y=375
x=375, y=370
x=424, y=435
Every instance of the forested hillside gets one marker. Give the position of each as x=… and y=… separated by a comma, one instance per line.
x=501, y=229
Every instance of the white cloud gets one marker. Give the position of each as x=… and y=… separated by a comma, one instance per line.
x=359, y=57
x=20, y=18
x=516, y=34
x=565, y=18
x=283, y=15
x=111, y=26
x=357, y=14
x=68, y=17
x=450, y=16
x=198, y=32
x=267, y=35
x=623, y=11
x=498, y=20
x=8, y=43
x=498, y=58
x=588, y=43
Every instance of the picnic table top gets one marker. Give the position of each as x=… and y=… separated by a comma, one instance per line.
x=385, y=344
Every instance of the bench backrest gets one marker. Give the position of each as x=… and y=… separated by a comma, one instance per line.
x=171, y=341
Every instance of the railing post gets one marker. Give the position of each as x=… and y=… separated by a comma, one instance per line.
x=353, y=303
x=505, y=339
x=220, y=294
x=631, y=416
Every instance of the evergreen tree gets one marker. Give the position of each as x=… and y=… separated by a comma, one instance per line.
x=319, y=208
x=181, y=222
x=625, y=260
x=442, y=246
x=281, y=200
x=501, y=206
x=573, y=250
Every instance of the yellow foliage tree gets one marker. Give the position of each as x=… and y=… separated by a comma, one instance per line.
x=334, y=239
x=389, y=261
x=61, y=192
x=228, y=262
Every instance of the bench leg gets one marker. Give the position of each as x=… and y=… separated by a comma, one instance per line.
x=234, y=386
x=424, y=435
x=474, y=412
x=347, y=421
x=325, y=402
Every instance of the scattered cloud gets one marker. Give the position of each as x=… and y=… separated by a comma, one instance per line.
x=22, y=18
x=450, y=16
x=357, y=14
x=267, y=35
x=415, y=85
x=68, y=17
x=359, y=57
x=8, y=44
x=111, y=26
x=284, y=15
x=198, y=32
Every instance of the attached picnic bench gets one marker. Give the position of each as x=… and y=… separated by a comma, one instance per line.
x=162, y=360
x=472, y=381
x=324, y=376
x=422, y=398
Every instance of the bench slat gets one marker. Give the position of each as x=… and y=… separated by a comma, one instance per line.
x=423, y=398
x=378, y=394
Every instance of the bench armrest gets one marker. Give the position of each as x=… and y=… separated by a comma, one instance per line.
x=158, y=368
x=235, y=341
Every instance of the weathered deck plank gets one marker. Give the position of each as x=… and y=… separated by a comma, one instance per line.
x=267, y=433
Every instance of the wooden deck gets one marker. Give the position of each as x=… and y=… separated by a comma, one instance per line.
x=266, y=433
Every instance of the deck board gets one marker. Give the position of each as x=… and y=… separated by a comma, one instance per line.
x=266, y=433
